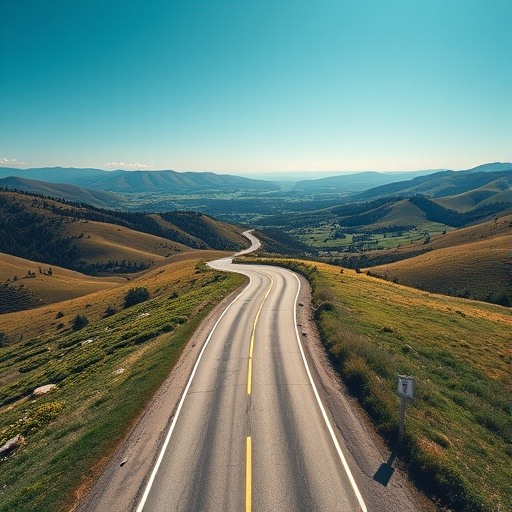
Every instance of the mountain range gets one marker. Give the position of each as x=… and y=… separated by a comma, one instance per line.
x=152, y=190
x=140, y=181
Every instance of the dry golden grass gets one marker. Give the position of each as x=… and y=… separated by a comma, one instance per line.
x=486, y=230
x=102, y=242
x=480, y=270
x=61, y=285
x=474, y=262
x=92, y=296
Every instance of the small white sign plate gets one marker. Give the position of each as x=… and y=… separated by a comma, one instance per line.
x=405, y=386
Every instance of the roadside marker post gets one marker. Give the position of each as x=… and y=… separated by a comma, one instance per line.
x=405, y=390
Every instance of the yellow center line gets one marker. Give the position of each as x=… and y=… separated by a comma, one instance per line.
x=251, y=346
x=248, y=476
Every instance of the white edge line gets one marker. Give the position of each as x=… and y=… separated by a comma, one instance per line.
x=178, y=410
x=326, y=419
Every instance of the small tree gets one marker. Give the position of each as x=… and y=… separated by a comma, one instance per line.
x=135, y=296
x=79, y=322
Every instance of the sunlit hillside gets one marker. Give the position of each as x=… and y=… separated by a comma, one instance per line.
x=100, y=242
x=474, y=262
x=25, y=283
x=498, y=191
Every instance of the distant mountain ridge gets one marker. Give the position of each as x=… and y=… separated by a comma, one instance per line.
x=441, y=184
x=245, y=200
x=64, y=191
x=140, y=181
x=120, y=181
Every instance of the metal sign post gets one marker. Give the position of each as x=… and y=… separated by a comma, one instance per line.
x=405, y=390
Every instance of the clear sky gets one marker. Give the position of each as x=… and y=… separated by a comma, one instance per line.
x=255, y=86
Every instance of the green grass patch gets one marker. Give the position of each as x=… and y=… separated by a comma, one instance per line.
x=106, y=374
x=329, y=238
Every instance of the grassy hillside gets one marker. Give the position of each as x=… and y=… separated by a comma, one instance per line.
x=105, y=373
x=93, y=240
x=458, y=440
x=23, y=280
x=93, y=297
x=472, y=262
x=497, y=191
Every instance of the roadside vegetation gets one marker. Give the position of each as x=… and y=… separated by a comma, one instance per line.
x=105, y=370
x=458, y=440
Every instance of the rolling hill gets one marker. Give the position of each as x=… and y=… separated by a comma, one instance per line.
x=473, y=262
x=497, y=191
x=98, y=241
x=63, y=191
x=440, y=184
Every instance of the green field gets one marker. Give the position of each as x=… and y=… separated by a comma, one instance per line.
x=329, y=238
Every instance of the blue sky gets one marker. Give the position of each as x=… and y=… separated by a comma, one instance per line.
x=255, y=86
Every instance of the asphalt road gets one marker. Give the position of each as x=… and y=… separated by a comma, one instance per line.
x=249, y=432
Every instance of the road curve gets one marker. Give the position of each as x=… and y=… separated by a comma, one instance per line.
x=249, y=432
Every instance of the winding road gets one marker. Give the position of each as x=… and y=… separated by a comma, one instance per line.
x=250, y=432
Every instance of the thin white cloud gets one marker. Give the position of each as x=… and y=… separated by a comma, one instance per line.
x=121, y=165
x=11, y=162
